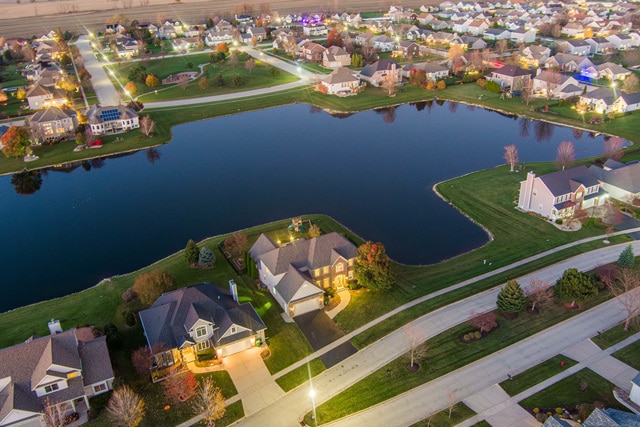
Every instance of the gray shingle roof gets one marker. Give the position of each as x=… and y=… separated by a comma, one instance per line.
x=52, y=113
x=96, y=364
x=381, y=65
x=555, y=422
x=599, y=418
x=566, y=181
x=291, y=282
x=512, y=71
x=626, y=177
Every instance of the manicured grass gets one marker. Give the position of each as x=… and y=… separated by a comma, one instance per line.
x=10, y=77
x=446, y=354
x=459, y=413
x=614, y=335
x=629, y=355
x=300, y=375
x=537, y=374
x=567, y=392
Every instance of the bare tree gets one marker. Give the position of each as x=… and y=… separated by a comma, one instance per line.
x=209, y=402
x=453, y=399
x=630, y=84
x=626, y=289
x=53, y=417
x=511, y=155
x=250, y=64
x=566, y=154
x=235, y=243
x=613, y=147
x=543, y=130
x=524, y=127
x=153, y=155
x=147, y=125
x=483, y=321
x=390, y=83
x=125, y=407
x=502, y=45
x=539, y=292
x=418, y=347
x=551, y=79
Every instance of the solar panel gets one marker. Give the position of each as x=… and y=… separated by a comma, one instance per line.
x=108, y=115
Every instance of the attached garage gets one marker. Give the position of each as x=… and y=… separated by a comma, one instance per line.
x=236, y=347
x=296, y=308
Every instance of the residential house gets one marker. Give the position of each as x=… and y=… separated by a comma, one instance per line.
x=568, y=63
x=223, y=25
x=510, y=76
x=64, y=369
x=573, y=29
x=297, y=274
x=335, y=57
x=311, y=51
x=461, y=25
x=192, y=31
x=621, y=41
x=611, y=71
x=496, y=34
x=634, y=394
x=126, y=46
x=473, y=43
x=560, y=194
x=432, y=70
x=167, y=32
x=185, y=44
x=182, y=324
x=364, y=39
x=214, y=38
x=48, y=50
x=259, y=33
x=611, y=418
x=600, y=100
x=555, y=85
x=315, y=30
x=40, y=97
x=407, y=49
x=574, y=47
x=522, y=35
x=376, y=73
x=627, y=102
x=534, y=55
x=599, y=45
x=477, y=27
x=620, y=180
x=341, y=81
x=425, y=18
x=53, y=124
x=111, y=119
x=383, y=43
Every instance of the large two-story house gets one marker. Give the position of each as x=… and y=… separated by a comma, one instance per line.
x=111, y=119
x=53, y=124
x=560, y=194
x=297, y=274
x=196, y=319
x=63, y=369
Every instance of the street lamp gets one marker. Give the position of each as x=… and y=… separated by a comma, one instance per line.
x=312, y=395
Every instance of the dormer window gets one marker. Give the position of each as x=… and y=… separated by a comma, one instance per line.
x=234, y=329
x=51, y=388
x=201, y=331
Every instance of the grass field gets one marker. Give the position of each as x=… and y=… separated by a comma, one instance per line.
x=629, y=355
x=537, y=374
x=459, y=413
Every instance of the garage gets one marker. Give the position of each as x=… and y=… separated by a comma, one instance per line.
x=236, y=347
x=305, y=306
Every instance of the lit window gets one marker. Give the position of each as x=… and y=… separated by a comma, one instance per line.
x=203, y=345
x=50, y=388
x=326, y=270
x=339, y=268
x=201, y=331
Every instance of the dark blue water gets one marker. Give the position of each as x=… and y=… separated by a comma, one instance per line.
x=372, y=171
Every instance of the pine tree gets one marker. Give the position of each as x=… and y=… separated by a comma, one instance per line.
x=511, y=298
x=575, y=286
x=627, y=259
x=191, y=252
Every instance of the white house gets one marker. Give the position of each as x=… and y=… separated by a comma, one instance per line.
x=111, y=119
x=341, y=81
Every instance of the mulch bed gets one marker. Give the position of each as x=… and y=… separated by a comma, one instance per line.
x=533, y=311
x=413, y=368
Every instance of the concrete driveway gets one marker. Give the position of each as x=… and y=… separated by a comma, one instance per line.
x=105, y=91
x=321, y=331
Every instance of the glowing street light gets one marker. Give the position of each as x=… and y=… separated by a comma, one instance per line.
x=312, y=395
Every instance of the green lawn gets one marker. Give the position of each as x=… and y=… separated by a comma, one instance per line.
x=459, y=413
x=446, y=354
x=614, y=335
x=629, y=355
x=10, y=77
x=537, y=374
x=568, y=392
x=300, y=375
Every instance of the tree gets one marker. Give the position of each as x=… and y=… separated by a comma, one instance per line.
x=236, y=80
x=372, y=267
x=441, y=85
x=356, y=60
x=625, y=289
x=511, y=155
x=125, y=408
x=206, y=258
x=236, y=243
x=21, y=93
x=131, y=88
x=511, y=298
x=613, y=147
x=147, y=125
x=539, y=292
x=485, y=322
x=418, y=347
x=233, y=59
x=151, y=80
x=219, y=80
x=180, y=388
x=627, y=259
x=153, y=155
x=15, y=141
x=149, y=286
x=630, y=84
x=203, y=84
x=502, y=45
x=334, y=38
x=250, y=64
x=191, y=252
x=209, y=402
x=222, y=48
x=314, y=231
x=3, y=96
x=390, y=83
x=566, y=154
x=137, y=74
x=575, y=286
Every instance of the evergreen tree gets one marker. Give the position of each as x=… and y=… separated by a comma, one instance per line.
x=627, y=259
x=575, y=286
x=206, y=258
x=191, y=252
x=511, y=298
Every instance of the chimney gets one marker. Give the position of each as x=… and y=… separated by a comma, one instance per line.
x=234, y=290
x=54, y=327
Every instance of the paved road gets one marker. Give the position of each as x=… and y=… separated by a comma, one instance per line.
x=467, y=381
x=105, y=91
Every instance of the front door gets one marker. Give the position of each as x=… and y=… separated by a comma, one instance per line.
x=338, y=282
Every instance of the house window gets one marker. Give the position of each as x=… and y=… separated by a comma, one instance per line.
x=51, y=388
x=326, y=270
x=201, y=346
x=99, y=388
x=579, y=195
x=201, y=331
x=234, y=329
x=339, y=268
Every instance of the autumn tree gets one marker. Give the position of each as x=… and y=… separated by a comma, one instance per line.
x=222, y=48
x=180, y=388
x=21, y=93
x=209, y=402
x=372, y=267
x=613, y=147
x=625, y=288
x=203, y=84
x=389, y=83
x=539, y=292
x=15, y=141
x=147, y=125
x=131, y=88
x=334, y=38
x=236, y=243
x=191, y=252
x=250, y=65
x=67, y=83
x=566, y=155
x=511, y=155
x=511, y=298
x=151, y=80
x=630, y=84
x=125, y=407
x=441, y=85
x=575, y=286
x=484, y=322
x=149, y=286
x=3, y=96
x=626, y=258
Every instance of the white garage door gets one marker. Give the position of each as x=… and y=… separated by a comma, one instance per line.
x=237, y=347
x=306, y=306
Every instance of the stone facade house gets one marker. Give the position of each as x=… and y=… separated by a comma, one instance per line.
x=53, y=123
x=376, y=73
x=335, y=57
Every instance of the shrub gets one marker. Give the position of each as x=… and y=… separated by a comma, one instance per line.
x=330, y=292
x=206, y=257
x=129, y=318
x=575, y=286
x=536, y=410
x=354, y=286
x=493, y=86
x=149, y=286
x=559, y=411
x=559, y=221
x=466, y=337
x=477, y=335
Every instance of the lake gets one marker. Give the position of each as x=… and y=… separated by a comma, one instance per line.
x=373, y=171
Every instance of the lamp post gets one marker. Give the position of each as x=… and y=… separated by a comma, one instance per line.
x=312, y=394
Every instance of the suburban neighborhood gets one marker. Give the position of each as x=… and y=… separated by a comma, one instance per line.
x=300, y=320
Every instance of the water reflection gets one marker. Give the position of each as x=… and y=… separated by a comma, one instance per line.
x=27, y=182
x=153, y=155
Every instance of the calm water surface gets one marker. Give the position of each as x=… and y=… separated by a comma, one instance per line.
x=372, y=171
